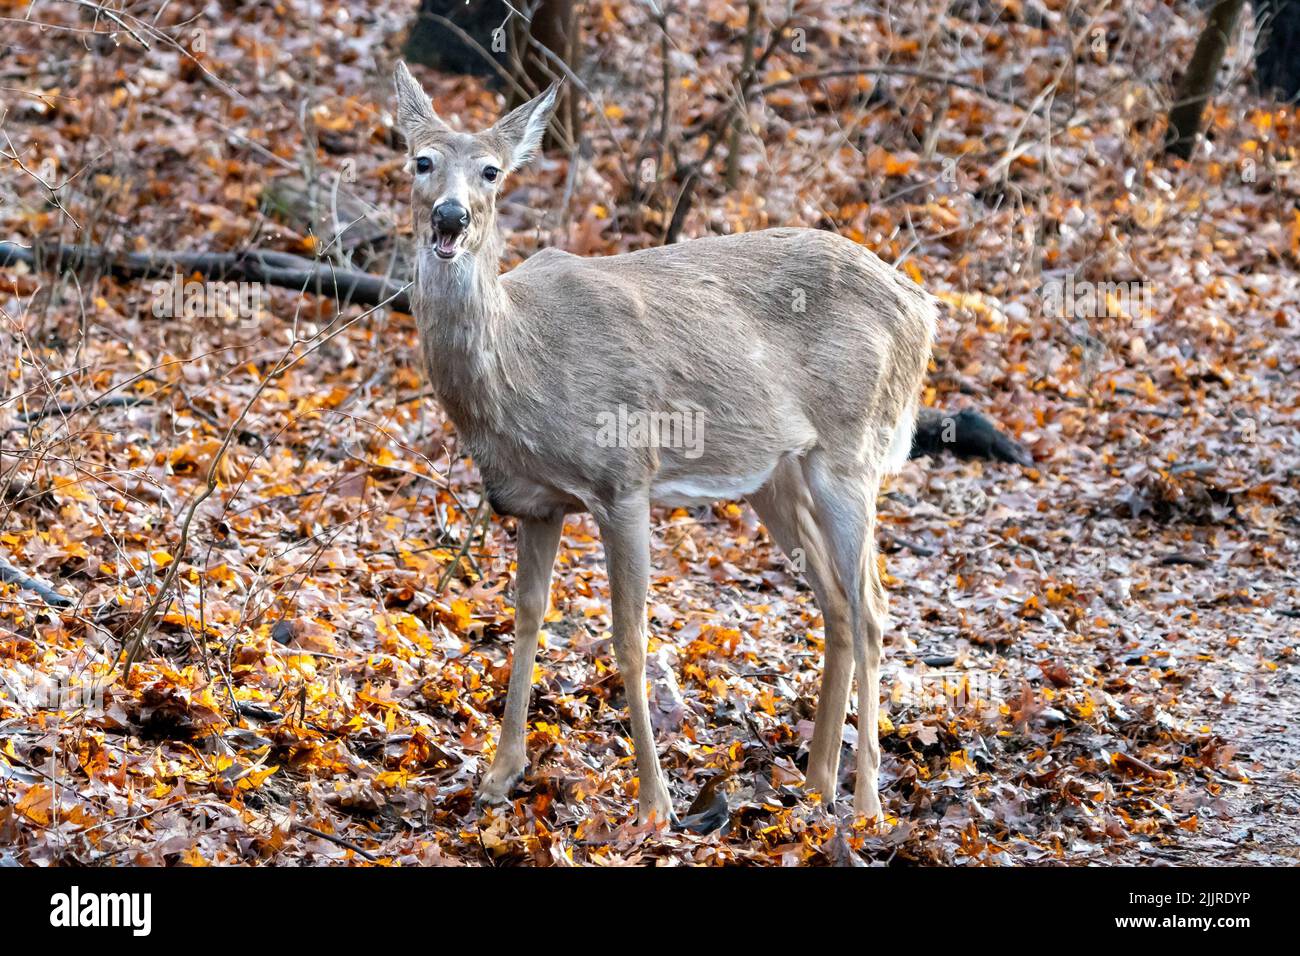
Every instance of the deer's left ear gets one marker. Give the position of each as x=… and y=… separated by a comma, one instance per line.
x=520, y=131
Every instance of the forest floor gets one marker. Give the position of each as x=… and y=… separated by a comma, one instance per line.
x=1092, y=660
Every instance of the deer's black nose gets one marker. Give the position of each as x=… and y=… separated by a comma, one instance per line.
x=450, y=218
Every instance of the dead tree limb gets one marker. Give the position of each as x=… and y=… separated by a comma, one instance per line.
x=11, y=575
x=63, y=411
x=967, y=434
x=928, y=76
x=279, y=269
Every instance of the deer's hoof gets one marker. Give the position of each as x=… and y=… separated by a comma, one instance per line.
x=868, y=805
x=823, y=786
x=497, y=785
x=665, y=821
x=658, y=809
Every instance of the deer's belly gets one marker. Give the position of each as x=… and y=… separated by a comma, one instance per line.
x=702, y=489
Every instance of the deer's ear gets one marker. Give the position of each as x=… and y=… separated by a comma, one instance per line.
x=414, y=108
x=520, y=131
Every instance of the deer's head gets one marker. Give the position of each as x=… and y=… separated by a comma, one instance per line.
x=457, y=176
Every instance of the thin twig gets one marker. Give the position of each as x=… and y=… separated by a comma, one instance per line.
x=464, y=547
x=862, y=70
x=735, y=106
x=336, y=840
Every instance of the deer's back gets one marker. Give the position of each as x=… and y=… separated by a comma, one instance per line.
x=777, y=283
x=801, y=311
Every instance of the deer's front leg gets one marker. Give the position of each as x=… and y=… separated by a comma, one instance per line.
x=625, y=531
x=538, y=542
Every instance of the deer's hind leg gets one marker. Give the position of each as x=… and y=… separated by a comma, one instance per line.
x=625, y=532
x=844, y=497
x=786, y=506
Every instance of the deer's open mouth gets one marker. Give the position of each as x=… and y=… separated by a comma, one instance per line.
x=446, y=245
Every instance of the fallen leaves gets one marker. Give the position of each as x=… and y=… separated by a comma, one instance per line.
x=1072, y=646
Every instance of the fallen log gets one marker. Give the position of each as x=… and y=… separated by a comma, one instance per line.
x=11, y=575
x=281, y=269
x=967, y=434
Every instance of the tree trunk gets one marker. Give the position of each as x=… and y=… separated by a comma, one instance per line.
x=1277, y=57
x=1197, y=85
x=553, y=27
x=431, y=42
x=467, y=37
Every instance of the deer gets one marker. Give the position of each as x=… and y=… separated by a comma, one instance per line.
x=799, y=352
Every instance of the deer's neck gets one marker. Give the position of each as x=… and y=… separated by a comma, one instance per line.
x=467, y=331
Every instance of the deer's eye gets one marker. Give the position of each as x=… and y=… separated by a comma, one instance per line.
x=491, y=173
x=423, y=164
